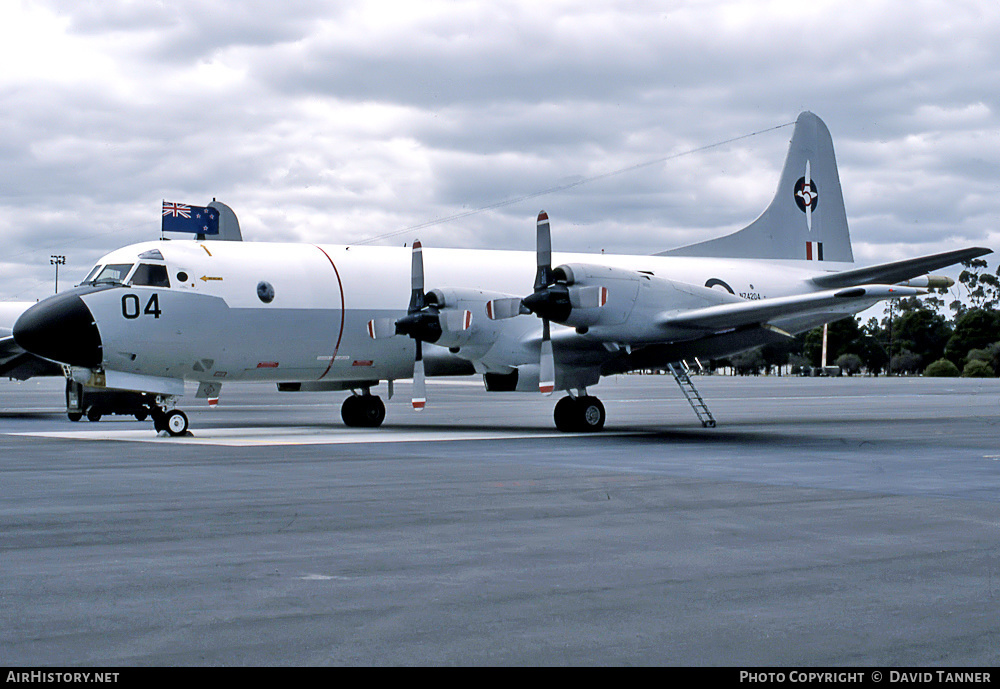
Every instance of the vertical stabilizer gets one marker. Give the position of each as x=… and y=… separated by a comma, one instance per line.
x=229, y=224
x=806, y=219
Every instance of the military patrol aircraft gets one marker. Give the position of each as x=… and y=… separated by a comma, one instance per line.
x=321, y=317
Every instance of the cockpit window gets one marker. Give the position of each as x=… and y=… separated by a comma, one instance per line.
x=113, y=274
x=151, y=275
x=91, y=275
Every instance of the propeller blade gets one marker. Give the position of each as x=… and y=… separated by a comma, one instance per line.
x=543, y=252
x=416, y=279
x=419, y=382
x=546, y=365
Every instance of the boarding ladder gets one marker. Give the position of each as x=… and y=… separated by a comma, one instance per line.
x=680, y=372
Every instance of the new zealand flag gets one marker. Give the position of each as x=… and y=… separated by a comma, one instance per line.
x=179, y=217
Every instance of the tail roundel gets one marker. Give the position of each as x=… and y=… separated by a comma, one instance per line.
x=806, y=220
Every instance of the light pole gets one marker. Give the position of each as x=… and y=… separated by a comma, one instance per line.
x=891, y=304
x=57, y=261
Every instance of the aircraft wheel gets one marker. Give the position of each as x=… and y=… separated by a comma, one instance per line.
x=579, y=415
x=363, y=411
x=374, y=411
x=349, y=411
x=591, y=414
x=565, y=414
x=93, y=414
x=175, y=422
x=74, y=415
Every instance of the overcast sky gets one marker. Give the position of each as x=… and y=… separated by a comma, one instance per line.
x=338, y=122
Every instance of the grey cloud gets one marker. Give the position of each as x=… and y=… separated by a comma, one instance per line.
x=190, y=30
x=337, y=122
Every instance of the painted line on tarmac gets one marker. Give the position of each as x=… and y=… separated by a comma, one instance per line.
x=263, y=437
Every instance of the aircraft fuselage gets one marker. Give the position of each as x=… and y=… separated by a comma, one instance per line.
x=298, y=312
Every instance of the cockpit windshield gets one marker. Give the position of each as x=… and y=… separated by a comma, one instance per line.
x=91, y=275
x=146, y=274
x=113, y=274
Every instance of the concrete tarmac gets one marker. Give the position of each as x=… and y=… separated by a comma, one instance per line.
x=848, y=522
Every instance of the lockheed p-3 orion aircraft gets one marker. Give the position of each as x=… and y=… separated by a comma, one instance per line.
x=312, y=317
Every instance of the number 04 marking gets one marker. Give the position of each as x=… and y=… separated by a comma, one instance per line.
x=130, y=306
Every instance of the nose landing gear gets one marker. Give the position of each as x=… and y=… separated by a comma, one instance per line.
x=174, y=422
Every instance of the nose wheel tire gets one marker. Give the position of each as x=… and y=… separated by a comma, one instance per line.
x=579, y=414
x=174, y=422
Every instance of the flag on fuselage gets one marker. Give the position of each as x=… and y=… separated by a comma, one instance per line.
x=180, y=217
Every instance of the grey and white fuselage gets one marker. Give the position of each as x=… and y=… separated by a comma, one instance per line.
x=214, y=325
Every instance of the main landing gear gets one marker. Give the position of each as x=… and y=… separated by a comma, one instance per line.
x=579, y=414
x=363, y=410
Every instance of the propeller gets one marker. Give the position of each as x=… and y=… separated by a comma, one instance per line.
x=550, y=301
x=554, y=298
x=422, y=322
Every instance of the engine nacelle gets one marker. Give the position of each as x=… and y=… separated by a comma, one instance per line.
x=612, y=304
x=465, y=324
x=598, y=295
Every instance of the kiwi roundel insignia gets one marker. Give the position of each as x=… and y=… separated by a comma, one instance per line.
x=806, y=194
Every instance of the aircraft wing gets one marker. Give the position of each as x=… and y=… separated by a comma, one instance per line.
x=765, y=311
x=898, y=271
x=19, y=364
x=704, y=326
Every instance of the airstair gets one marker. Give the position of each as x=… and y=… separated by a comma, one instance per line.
x=680, y=372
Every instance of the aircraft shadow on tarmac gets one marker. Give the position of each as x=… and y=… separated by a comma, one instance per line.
x=792, y=433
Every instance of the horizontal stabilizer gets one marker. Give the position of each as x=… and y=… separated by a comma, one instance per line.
x=898, y=271
x=727, y=316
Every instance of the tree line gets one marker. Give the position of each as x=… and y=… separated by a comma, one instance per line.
x=913, y=338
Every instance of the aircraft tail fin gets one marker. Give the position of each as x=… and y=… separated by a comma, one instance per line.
x=806, y=219
x=229, y=224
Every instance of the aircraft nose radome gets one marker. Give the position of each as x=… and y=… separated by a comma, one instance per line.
x=60, y=328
